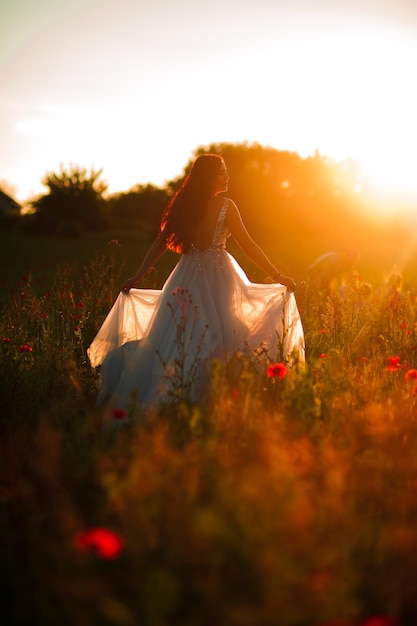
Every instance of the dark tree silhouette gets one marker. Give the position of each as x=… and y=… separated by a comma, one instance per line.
x=140, y=208
x=286, y=201
x=73, y=203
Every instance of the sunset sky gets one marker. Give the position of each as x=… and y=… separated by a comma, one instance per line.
x=133, y=87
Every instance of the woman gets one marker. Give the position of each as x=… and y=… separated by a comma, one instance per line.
x=156, y=344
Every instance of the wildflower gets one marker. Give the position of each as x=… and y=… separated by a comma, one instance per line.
x=104, y=543
x=6, y=340
x=364, y=359
x=324, y=355
x=115, y=243
x=118, y=414
x=394, y=364
x=276, y=370
x=410, y=375
x=323, y=331
x=406, y=328
x=25, y=348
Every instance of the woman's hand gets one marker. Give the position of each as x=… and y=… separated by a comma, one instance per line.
x=282, y=280
x=129, y=284
x=287, y=282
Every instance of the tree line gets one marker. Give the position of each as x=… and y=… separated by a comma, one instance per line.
x=314, y=201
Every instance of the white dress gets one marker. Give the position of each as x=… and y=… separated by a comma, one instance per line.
x=158, y=344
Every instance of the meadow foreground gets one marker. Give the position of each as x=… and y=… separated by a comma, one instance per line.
x=289, y=498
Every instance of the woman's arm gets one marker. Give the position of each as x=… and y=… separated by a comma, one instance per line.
x=251, y=249
x=154, y=253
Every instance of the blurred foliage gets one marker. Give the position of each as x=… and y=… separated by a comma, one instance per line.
x=278, y=500
x=73, y=204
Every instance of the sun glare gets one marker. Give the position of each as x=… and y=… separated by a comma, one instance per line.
x=351, y=102
x=393, y=178
x=348, y=93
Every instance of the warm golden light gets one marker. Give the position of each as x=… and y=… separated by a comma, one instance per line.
x=340, y=83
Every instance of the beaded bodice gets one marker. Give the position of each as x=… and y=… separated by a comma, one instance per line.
x=221, y=232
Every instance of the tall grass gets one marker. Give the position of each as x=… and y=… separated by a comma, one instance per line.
x=287, y=501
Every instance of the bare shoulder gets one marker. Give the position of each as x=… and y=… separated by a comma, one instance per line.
x=232, y=210
x=230, y=206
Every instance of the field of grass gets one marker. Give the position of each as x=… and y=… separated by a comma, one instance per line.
x=287, y=501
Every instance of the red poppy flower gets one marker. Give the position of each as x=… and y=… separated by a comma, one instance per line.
x=118, y=414
x=276, y=370
x=410, y=375
x=104, y=543
x=6, y=340
x=394, y=364
x=25, y=348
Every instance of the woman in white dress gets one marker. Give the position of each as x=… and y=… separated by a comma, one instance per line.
x=158, y=344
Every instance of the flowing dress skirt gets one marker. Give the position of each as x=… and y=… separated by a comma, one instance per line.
x=155, y=344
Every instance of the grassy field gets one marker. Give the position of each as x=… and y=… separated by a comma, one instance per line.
x=287, y=501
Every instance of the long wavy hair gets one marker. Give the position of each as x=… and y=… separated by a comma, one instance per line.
x=188, y=204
